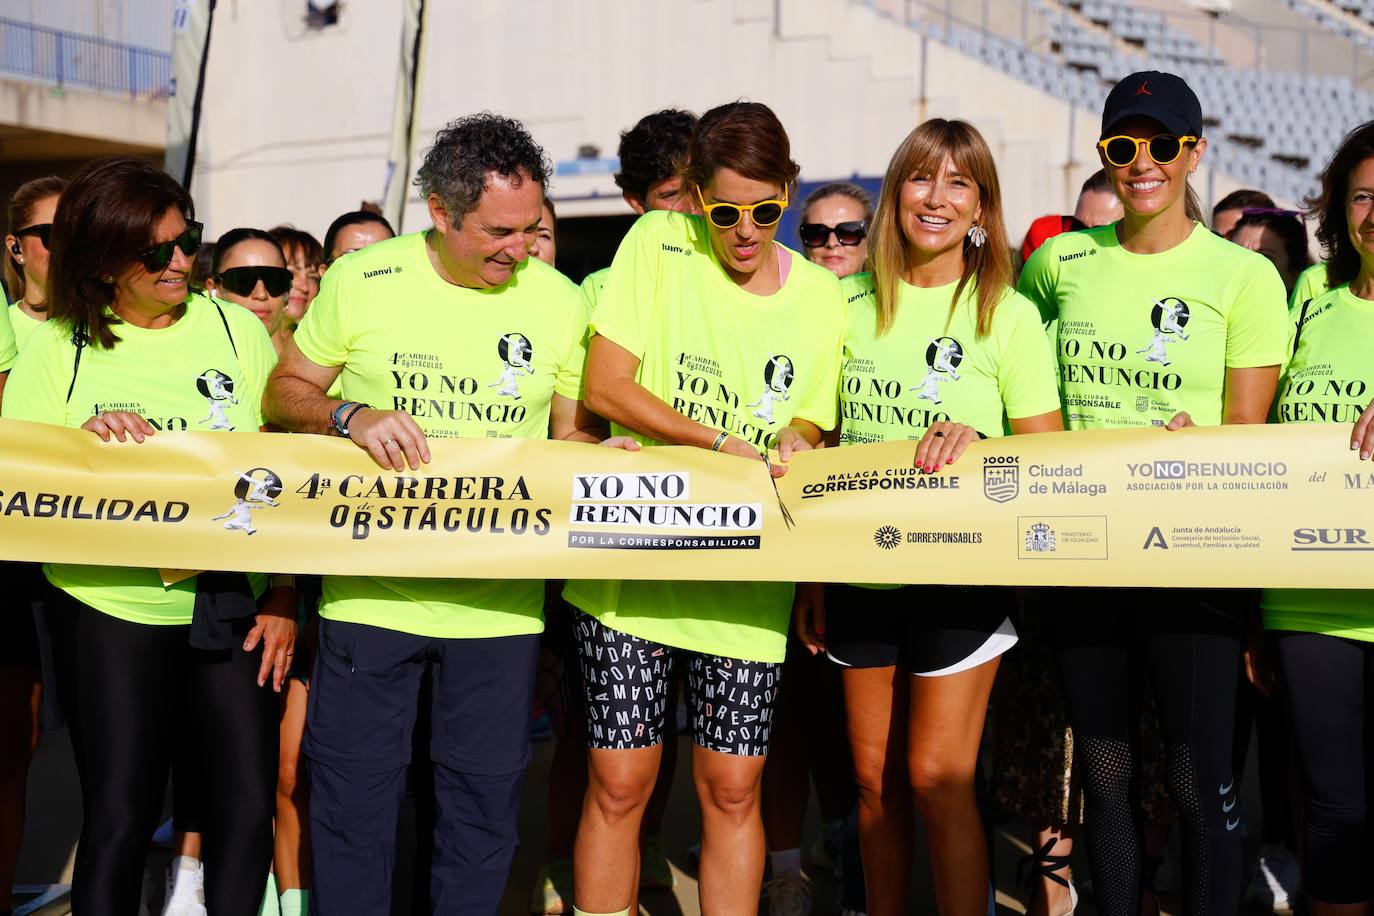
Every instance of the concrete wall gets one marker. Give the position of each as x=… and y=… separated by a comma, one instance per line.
x=291, y=135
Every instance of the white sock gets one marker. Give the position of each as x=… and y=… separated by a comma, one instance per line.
x=183, y=870
x=784, y=861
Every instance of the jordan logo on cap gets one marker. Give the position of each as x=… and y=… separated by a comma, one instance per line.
x=1144, y=89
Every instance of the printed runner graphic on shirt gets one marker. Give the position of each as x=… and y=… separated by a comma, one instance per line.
x=516, y=352
x=1169, y=317
x=943, y=357
x=777, y=378
x=218, y=391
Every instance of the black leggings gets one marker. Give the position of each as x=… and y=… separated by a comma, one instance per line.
x=1187, y=643
x=132, y=694
x=1330, y=685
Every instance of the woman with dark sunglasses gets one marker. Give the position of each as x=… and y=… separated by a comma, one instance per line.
x=249, y=268
x=138, y=682
x=26, y=253
x=834, y=227
x=710, y=334
x=1160, y=324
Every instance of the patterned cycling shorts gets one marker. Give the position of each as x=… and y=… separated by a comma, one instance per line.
x=626, y=681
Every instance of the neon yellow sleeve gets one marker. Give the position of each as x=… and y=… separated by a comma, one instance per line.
x=1257, y=320
x=821, y=401
x=37, y=385
x=323, y=334
x=574, y=362
x=1027, y=373
x=631, y=287
x=1039, y=280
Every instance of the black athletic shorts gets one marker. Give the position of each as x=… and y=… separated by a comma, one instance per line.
x=930, y=630
x=626, y=682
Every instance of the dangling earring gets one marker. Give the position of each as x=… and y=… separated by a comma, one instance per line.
x=977, y=235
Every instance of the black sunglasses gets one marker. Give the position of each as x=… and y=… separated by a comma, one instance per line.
x=241, y=281
x=40, y=231
x=159, y=256
x=850, y=233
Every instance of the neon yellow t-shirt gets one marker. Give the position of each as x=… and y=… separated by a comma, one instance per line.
x=932, y=366
x=23, y=324
x=465, y=363
x=8, y=348
x=1311, y=283
x=592, y=285
x=732, y=361
x=1142, y=337
x=1329, y=379
x=184, y=377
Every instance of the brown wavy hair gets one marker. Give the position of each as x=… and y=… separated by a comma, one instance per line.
x=1327, y=206
x=105, y=220
x=746, y=137
x=923, y=152
x=20, y=216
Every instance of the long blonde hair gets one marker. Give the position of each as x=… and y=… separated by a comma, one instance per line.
x=989, y=265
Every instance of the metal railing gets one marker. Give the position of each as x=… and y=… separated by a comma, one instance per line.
x=66, y=59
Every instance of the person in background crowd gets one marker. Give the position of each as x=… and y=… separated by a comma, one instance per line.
x=305, y=260
x=522, y=337
x=808, y=740
x=354, y=231
x=1097, y=204
x=716, y=291
x=1280, y=236
x=918, y=662
x=28, y=231
x=649, y=154
x=248, y=268
x=1311, y=283
x=1199, y=325
x=1044, y=228
x=201, y=266
x=1324, y=638
x=546, y=245
x=1232, y=207
x=834, y=227
x=145, y=668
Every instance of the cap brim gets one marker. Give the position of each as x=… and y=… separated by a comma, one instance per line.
x=1170, y=121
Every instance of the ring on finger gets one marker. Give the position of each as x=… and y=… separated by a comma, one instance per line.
x=939, y=435
x=391, y=443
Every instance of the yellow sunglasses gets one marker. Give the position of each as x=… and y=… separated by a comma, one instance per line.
x=726, y=216
x=1122, y=150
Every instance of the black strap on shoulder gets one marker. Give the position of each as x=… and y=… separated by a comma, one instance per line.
x=79, y=341
x=229, y=333
x=1302, y=319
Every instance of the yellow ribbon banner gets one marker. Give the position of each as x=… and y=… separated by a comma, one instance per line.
x=1232, y=507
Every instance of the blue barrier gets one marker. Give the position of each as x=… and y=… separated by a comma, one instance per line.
x=67, y=59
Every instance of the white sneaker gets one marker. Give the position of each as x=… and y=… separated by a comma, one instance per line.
x=1276, y=882
x=789, y=894
x=185, y=888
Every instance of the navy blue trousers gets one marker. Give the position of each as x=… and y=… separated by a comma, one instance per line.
x=363, y=700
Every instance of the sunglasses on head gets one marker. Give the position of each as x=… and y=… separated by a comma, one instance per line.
x=727, y=216
x=848, y=233
x=1122, y=150
x=40, y=231
x=159, y=256
x=241, y=281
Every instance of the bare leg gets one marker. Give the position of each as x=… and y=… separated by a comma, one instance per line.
x=877, y=716
x=618, y=786
x=729, y=788
x=1049, y=897
x=290, y=862
x=946, y=726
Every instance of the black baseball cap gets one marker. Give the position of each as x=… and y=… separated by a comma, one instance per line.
x=1152, y=94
